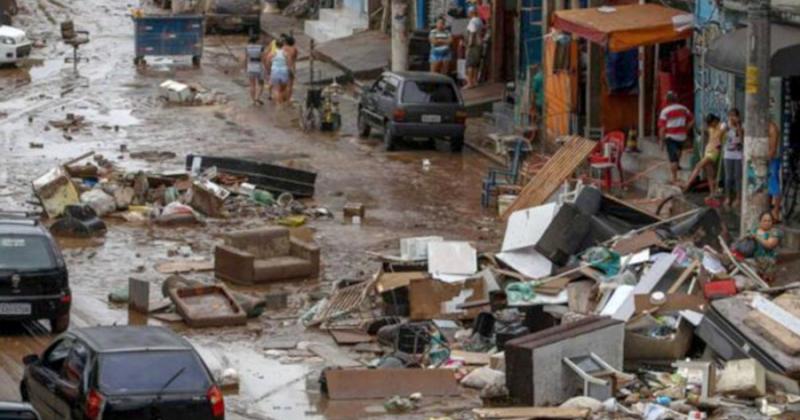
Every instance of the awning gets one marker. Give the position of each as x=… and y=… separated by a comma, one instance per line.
x=621, y=28
x=729, y=51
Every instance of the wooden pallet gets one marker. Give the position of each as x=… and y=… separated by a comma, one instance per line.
x=560, y=167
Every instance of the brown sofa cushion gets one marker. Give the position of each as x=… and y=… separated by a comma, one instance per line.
x=267, y=242
x=280, y=268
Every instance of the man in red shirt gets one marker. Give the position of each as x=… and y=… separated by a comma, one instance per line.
x=674, y=124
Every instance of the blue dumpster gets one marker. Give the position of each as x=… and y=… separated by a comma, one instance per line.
x=169, y=35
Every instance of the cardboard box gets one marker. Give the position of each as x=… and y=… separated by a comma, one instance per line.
x=434, y=299
x=642, y=347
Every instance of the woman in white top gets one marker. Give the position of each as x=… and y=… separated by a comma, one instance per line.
x=733, y=153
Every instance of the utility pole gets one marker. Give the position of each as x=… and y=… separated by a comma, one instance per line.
x=756, y=123
x=399, y=35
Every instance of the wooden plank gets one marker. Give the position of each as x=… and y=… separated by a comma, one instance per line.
x=638, y=242
x=563, y=163
x=531, y=413
x=684, y=276
x=777, y=314
x=359, y=384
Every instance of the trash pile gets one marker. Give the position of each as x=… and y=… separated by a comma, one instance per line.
x=592, y=308
x=77, y=196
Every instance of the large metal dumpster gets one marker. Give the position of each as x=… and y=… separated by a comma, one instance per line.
x=169, y=35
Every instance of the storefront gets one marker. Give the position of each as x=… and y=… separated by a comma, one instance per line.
x=600, y=67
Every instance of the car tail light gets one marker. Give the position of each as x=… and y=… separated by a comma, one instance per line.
x=399, y=114
x=217, y=402
x=66, y=298
x=461, y=117
x=94, y=405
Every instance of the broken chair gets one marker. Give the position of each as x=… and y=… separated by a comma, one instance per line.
x=265, y=255
x=73, y=38
x=499, y=177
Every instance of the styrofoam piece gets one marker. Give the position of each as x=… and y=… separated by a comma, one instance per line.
x=448, y=258
x=525, y=227
x=528, y=262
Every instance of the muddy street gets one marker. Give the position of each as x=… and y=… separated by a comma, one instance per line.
x=129, y=125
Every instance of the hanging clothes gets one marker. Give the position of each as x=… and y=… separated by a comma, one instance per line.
x=622, y=71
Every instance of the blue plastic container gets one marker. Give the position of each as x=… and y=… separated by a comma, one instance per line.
x=169, y=36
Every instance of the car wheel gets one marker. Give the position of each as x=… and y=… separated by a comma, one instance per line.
x=23, y=391
x=196, y=61
x=363, y=127
x=59, y=324
x=389, y=141
x=456, y=144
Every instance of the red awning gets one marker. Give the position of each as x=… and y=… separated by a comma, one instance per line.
x=621, y=28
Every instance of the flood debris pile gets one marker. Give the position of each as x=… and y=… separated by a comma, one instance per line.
x=592, y=308
x=76, y=196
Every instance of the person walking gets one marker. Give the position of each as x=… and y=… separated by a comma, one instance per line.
x=291, y=56
x=440, y=39
x=254, y=68
x=733, y=153
x=474, y=37
x=279, y=65
x=710, y=156
x=674, y=124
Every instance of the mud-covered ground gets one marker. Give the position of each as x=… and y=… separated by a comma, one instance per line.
x=121, y=104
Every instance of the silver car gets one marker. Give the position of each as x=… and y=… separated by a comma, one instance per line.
x=413, y=105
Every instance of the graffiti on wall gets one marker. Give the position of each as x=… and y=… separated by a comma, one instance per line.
x=712, y=87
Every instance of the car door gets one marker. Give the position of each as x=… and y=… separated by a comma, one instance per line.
x=370, y=102
x=43, y=377
x=70, y=384
x=388, y=99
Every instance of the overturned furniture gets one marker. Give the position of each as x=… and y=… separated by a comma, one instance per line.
x=265, y=255
x=536, y=371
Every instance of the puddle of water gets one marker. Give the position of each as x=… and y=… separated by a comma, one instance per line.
x=112, y=117
x=267, y=388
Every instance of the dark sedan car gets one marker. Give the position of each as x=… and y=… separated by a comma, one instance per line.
x=121, y=372
x=412, y=105
x=33, y=276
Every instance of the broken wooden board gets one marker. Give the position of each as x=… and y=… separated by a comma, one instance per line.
x=471, y=358
x=772, y=330
x=333, y=356
x=531, y=413
x=557, y=169
x=638, y=242
x=350, y=336
x=358, y=384
x=184, y=266
x=433, y=299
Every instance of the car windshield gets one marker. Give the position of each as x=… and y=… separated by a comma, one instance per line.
x=148, y=372
x=22, y=252
x=415, y=92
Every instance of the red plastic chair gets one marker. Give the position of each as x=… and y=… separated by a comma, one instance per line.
x=608, y=155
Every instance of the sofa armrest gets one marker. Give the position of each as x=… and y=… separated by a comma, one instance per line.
x=307, y=251
x=234, y=265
